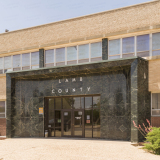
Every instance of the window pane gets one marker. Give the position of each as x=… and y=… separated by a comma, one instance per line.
x=114, y=57
x=16, y=61
x=96, y=118
x=2, y=107
x=128, y=55
x=2, y=115
x=88, y=102
x=154, y=101
x=1, y=63
x=51, y=113
x=96, y=49
x=158, y=106
x=35, y=58
x=156, y=41
x=57, y=132
x=114, y=47
x=7, y=62
x=49, y=56
x=156, y=53
x=96, y=123
x=156, y=112
x=83, y=51
x=57, y=103
x=57, y=118
x=143, y=43
x=128, y=45
x=60, y=54
x=88, y=123
x=96, y=102
x=143, y=54
x=78, y=102
x=71, y=53
x=26, y=59
x=67, y=103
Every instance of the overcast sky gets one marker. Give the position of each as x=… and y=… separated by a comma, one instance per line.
x=19, y=14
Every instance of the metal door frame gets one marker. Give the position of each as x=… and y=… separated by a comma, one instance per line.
x=72, y=122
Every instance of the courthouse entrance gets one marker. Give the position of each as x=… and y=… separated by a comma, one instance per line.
x=77, y=116
x=73, y=123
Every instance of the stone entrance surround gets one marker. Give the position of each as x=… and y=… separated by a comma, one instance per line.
x=122, y=86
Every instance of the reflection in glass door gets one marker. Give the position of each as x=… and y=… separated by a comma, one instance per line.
x=67, y=123
x=78, y=123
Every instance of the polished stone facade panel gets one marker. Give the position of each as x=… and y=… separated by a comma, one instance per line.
x=116, y=82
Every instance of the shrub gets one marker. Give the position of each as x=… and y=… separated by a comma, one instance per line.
x=153, y=137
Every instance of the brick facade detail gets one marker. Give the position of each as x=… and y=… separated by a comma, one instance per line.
x=2, y=126
x=155, y=121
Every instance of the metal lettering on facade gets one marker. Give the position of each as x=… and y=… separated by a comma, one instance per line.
x=72, y=90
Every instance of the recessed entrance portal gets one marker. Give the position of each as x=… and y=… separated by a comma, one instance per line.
x=73, y=116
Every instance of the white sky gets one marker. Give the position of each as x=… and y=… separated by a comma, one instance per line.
x=18, y=14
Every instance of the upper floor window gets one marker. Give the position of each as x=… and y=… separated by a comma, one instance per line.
x=155, y=44
x=73, y=54
x=83, y=53
x=19, y=62
x=60, y=56
x=7, y=64
x=128, y=47
x=34, y=60
x=96, y=51
x=49, y=58
x=114, y=49
x=143, y=45
x=2, y=109
x=26, y=61
x=156, y=104
x=16, y=62
x=1, y=65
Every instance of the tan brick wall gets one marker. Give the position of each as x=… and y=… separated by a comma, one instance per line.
x=2, y=88
x=2, y=127
x=128, y=18
x=154, y=75
x=155, y=121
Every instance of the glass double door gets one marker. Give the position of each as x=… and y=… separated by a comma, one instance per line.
x=73, y=123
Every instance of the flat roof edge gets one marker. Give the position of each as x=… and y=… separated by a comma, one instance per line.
x=80, y=17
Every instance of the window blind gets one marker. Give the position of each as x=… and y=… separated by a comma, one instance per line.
x=114, y=47
x=16, y=61
x=156, y=41
x=60, y=54
x=83, y=51
x=71, y=53
x=1, y=63
x=143, y=43
x=7, y=62
x=96, y=49
x=128, y=45
x=35, y=58
x=49, y=56
x=26, y=59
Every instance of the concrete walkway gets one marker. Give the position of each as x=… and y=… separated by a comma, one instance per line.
x=70, y=149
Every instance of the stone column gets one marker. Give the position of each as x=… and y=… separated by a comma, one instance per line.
x=8, y=106
x=140, y=98
x=41, y=58
x=134, y=100
x=105, y=49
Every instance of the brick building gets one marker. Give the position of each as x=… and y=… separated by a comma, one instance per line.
x=89, y=76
